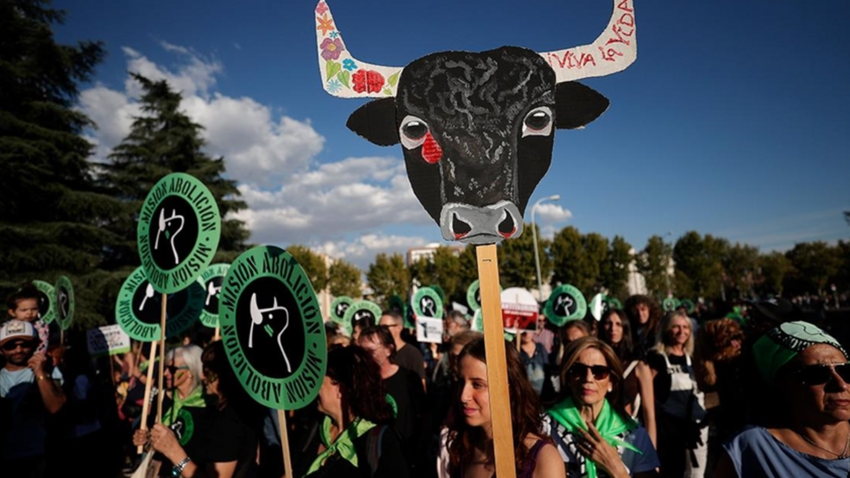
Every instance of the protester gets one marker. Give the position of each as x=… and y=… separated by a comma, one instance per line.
x=534, y=359
x=229, y=448
x=569, y=332
x=638, y=395
x=354, y=439
x=590, y=426
x=645, y=316
x=31, y=390
x=807, y=381
x=679, y=404
x=183, y=381
x=23, y=305
x=406, y=355
x=469, y=441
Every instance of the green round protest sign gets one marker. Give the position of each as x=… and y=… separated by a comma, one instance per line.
x=211, y=280
x=398, y=305
x=689, y=305
x=669, y=304
x=338, y=308
x=426, y=302
x=598, y=305
x=138, y=310
x=178, y=233
x=272, y=328
x=473, y=295
x=613, y=303
x=440, y=292
x=564, y=305
x=64, y=299
x=183, y=426
x=362, y=310
x=46, y=294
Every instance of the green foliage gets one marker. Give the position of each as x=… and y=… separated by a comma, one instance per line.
x=516, y=260
x=344, y=278
x=774, y=268
x=313, y=264
x=700, y=260
x=583, y=261
x=388, y=276
x=740, y=264
x=815, y=263
x=615, y=273
x=443, y=269
x=51, y=211
x=653, y=263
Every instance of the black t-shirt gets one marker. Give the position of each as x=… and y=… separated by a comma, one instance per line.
x=406, y=389
x=410, y=358
x=230, y=439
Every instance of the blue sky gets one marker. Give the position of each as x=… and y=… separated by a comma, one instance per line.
x=733, y=120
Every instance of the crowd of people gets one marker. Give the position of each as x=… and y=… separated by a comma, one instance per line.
x=758, y=391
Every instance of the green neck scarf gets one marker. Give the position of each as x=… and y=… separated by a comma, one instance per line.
x=194, y=399
x=344, y=444
x=608, y=423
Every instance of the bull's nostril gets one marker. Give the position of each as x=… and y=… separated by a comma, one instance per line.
x=507, y=227
x=460, y=227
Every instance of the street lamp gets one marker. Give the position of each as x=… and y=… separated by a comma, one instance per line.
x=553, y=197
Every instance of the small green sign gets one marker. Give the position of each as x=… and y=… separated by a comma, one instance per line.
x=64, y=300
x=138, y=309
x=272, y=328
x=46, y=294
x=564, y=305
x=211, y=280
x=614, y=303
x=473, y=295
x=689, y=305
x=440, y=292
x=427, y=303
x=669, y=304
x=362, y=310
x=598, y=305
x=178, y=233
x=183, y=426
x=338, y=308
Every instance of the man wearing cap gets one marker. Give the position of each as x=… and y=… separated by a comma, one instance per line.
x=30, y=393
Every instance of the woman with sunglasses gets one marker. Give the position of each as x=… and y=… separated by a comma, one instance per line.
x=470, y=438
x=589, y=424
x=228, y=447
x=807, y=380
x=183, y=381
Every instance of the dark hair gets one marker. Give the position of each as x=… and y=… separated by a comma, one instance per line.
x=395, y=315
x=27, y=291
x=615, y=397
x=232, y=393
x=625, y=348
x=526, y=412
x=382, y=334
x=360, y=384
x=646, y=336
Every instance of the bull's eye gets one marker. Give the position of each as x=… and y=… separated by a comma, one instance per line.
x=538, y=122
x=412, y=132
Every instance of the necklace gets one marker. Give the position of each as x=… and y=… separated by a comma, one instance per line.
x=844, y=451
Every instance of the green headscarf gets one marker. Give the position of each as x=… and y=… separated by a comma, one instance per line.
x=781, y=344
x=609, y=423
x=194, y=399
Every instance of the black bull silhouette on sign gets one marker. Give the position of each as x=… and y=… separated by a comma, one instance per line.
x=476, y=129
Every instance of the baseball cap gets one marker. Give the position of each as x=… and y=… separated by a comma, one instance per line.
x=16, y=329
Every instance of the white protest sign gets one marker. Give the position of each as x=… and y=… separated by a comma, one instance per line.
x=107, y=340
x=429, y=330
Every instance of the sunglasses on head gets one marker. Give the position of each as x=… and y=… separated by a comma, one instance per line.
x=600, y=372
x=172, y=369
x=15, y=344
x=820, y=374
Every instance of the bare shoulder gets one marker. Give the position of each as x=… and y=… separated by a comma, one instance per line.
x=549, y=463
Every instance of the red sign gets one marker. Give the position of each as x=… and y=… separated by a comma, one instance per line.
x=519, y=316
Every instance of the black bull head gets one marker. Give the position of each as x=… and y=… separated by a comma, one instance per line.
x=476, y=129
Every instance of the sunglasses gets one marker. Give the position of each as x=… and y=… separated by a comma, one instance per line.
x=210, y=376
x=579, y=370
x=172, y=369
x=822, y=373
x=9, y=346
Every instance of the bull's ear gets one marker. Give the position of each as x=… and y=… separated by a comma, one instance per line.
x=375, y=121
x=577, y=105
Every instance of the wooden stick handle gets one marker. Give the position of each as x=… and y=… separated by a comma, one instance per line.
x=284, y=443
x=217, y=335
x=146, y=406
x=161, y=379
x=497, y=373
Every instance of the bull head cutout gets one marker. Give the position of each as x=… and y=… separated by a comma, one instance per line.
x=476, y=129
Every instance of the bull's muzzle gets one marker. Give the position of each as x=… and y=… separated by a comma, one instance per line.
x=480, y=225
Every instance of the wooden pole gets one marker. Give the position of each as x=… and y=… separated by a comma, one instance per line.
x=284, y=443
x=497, y=373
x=161, y=379
x=146, y=406
x=217, y=335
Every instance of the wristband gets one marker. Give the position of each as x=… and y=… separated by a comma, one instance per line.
x=178, y=468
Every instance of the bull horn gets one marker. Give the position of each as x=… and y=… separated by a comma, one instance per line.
x=613, y=51
x=343, y=75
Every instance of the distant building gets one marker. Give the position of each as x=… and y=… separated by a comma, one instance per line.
x=414, y=254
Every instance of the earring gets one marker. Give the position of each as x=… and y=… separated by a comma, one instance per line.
x=610, y=388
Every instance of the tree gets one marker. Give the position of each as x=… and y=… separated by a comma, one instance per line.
x=615, y=274
x=815, y=264
x=581, y=260
x=566, y=250
x=516, y=260
x=774, y=267
x=741, y=266
x=344, y=278
x=468, y=269
x=50, y=208
x=387, y=277
x=443, y=269
x=699, y=264
x=164, y=140
x=653, y=263
x=313, y=264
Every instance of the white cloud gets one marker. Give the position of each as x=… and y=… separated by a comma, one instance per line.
x=552, y=213
x=362, y=251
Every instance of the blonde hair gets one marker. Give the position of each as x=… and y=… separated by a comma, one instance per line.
x=664, y=333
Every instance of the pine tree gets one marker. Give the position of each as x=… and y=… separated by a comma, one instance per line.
x=163, y=140
x=50, y=208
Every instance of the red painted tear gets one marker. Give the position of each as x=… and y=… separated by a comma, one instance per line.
x=508, y=234
x=431, y=151
x=460, y=236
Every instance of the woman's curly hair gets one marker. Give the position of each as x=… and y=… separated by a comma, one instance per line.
x=526, y=413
